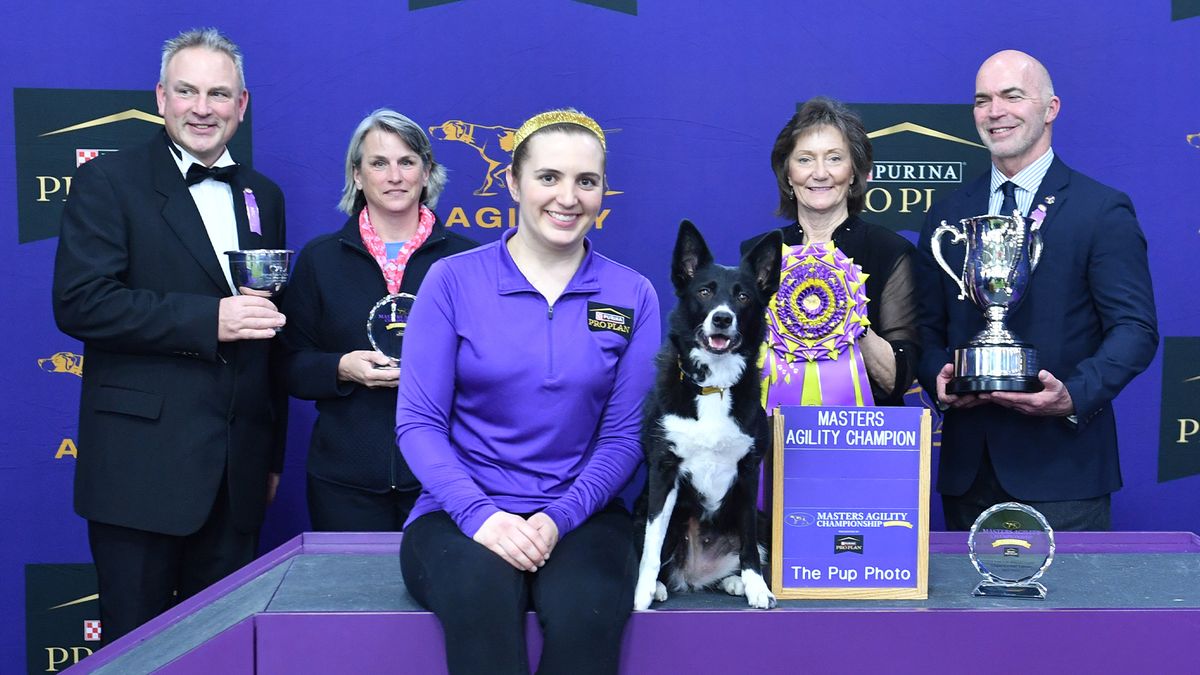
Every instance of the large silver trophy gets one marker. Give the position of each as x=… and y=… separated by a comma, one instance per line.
x=1002, y=252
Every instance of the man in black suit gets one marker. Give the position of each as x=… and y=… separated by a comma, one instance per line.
x=1089, y=310
x=181, y=419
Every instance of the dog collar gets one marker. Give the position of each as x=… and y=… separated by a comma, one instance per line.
x=704, y=391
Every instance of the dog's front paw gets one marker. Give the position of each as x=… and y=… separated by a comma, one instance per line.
x=645, y=592
x=660, y=591
x=733, y=585
x=757, y=593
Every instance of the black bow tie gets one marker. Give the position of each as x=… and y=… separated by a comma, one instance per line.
x=197, y=173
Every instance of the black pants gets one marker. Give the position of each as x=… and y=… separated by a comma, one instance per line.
x=333, y=507
x=583, y=596
x=142, y=574
x=1076, y=515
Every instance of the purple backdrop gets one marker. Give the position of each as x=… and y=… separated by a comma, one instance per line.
x=695, y=93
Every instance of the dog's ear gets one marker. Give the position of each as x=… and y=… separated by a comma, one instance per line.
x=691, y=253
x=764, y=261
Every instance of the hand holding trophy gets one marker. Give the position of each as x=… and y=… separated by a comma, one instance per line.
x=263, y=271
x=386, y=324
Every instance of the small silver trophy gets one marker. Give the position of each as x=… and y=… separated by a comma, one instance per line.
x=260, y=269
x=1012, y=546
x=386, y=325
x=1002, y=252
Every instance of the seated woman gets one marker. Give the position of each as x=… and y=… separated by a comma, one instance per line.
x=357, y=479
x=823, y=347
x=519, y=411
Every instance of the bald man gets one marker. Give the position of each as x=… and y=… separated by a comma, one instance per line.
x=1088, y=309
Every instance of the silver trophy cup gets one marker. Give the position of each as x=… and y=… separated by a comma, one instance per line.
x=262, y=269
x=1002, y=252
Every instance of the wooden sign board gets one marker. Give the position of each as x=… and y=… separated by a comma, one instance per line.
x=850, y=503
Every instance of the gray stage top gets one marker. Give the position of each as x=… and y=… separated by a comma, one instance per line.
x=358, y=572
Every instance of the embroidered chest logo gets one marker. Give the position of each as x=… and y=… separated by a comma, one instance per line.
x=602, y=317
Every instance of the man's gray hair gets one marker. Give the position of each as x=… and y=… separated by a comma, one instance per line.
x=413, y=136
x=209, y=38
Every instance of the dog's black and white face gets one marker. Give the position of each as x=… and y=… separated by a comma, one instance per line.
x=721, y=308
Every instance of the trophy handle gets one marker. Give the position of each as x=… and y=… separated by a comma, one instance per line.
x=1035, y=245
x=936, y=245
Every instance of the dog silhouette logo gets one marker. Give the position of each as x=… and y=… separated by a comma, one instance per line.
x=63, y=362
x=1194, y=139
x=494, y=143
x=799, y=519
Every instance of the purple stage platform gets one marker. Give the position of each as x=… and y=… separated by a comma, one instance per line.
x=1119, y=602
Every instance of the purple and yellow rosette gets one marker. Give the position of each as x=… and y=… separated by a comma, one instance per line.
x=813, y=322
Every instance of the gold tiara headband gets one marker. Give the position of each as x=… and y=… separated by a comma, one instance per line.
x=540, y=121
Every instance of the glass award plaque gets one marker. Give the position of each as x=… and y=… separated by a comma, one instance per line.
x=386, y=324
x=1012, y=546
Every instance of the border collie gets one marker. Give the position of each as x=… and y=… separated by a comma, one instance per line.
x=705, y=432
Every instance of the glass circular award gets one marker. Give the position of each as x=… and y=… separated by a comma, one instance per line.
x=386, y=324
x=1012, y=546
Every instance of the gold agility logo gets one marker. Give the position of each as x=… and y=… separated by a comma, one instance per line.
x=1194, y=139
x=63, y=362
x=67, y=363
x=496, y=140
x=493, y=143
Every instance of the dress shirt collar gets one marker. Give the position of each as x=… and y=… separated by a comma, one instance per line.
x=1028, y=179
x=184, y=159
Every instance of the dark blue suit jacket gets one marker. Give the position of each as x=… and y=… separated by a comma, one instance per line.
x=1089, y=310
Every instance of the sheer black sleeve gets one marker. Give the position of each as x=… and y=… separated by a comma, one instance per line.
x=897, y=323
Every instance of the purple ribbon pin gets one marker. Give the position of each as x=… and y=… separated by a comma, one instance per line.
x=252, y=211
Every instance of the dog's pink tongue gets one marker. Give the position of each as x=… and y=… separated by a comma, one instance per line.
x=718, y=341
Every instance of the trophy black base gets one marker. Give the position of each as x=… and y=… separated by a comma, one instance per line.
x=981, y=383
x=995, y=367
x=992, y=589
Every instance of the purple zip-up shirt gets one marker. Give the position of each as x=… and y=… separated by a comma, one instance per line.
x=509, y=403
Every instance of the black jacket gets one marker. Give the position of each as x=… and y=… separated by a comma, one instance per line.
x=335, y=284
x=166, y=410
